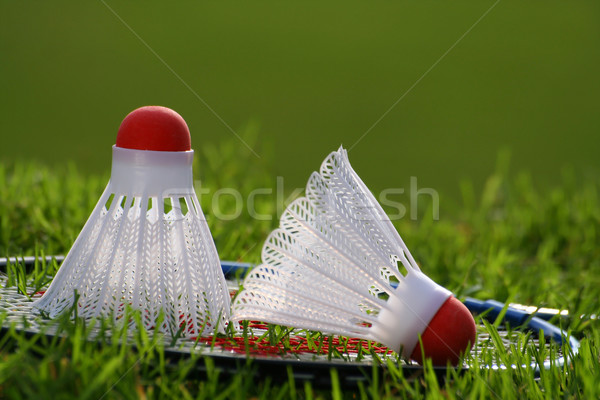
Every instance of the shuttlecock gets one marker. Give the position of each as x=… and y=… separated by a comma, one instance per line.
x=333, y=266
x=146, y=243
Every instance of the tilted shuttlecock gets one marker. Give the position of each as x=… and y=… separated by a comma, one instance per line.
x=333, y=266
x=147, y=243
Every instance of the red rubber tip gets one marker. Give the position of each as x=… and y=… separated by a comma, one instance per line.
x=449, y=335
x=154, y=128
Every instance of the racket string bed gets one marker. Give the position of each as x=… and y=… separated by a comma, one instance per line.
x=301, y=346
x=513, y=342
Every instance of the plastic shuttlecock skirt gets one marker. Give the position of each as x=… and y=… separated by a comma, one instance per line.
x=146, y=245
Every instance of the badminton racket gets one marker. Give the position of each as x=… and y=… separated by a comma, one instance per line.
x=502, y=329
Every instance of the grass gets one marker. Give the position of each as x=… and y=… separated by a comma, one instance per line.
x=510, y=242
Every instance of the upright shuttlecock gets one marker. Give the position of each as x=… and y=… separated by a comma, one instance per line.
x=147, y=243
x=333, y=266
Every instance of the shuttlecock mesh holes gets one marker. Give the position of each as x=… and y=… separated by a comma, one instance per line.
x=289, y=287
x=126, y=281
x=172, y=206
x=353, y=233
x=333, y=202
x=281, y=245
x=281, y=248
x=341, y=246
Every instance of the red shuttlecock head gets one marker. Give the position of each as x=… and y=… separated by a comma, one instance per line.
x=448, y=336
x=154, y=128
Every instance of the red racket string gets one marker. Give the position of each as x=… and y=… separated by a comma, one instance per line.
x=260, y=345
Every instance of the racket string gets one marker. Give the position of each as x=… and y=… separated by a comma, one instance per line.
x=493, y=347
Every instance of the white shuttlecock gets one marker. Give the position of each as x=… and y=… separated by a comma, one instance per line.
x=331, y=267
x=146, y=244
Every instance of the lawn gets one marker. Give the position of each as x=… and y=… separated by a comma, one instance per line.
x=509, y=241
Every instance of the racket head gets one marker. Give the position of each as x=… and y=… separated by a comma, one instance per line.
x=503, y=334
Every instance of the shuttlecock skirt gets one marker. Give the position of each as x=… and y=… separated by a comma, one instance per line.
x=146, y=245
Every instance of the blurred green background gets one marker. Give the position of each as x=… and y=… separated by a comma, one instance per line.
x=307, y=77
